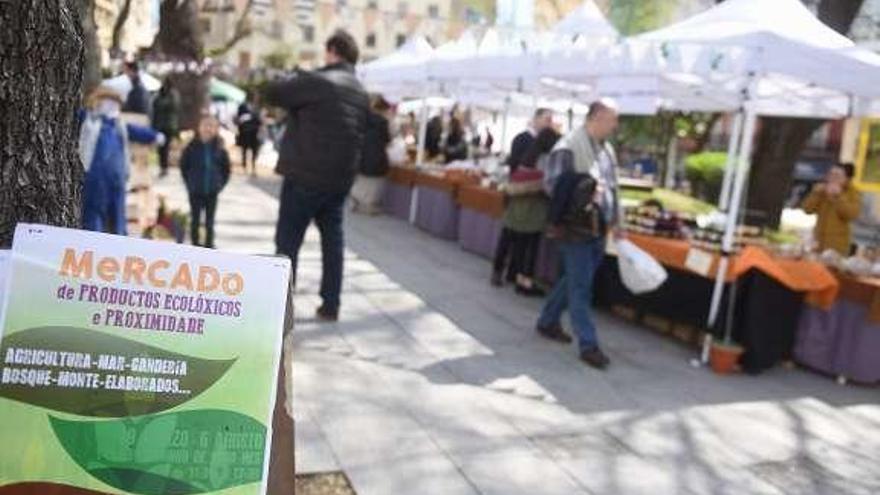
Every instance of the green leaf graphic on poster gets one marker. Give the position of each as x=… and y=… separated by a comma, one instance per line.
x=179, y=453
x=101, y=375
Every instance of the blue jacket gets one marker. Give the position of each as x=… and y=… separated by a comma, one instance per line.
x=205, y=167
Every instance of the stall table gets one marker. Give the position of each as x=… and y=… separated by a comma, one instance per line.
x=479, y=221
x=770, y=295
x=845, y=339
x=436, y=208
x=397, y=200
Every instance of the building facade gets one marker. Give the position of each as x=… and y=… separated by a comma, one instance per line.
x=379, y=26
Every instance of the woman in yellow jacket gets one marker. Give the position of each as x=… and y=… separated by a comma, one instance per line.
x=836, y=204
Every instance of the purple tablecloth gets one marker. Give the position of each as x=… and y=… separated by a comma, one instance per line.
x=437, y=213
x=396, y=201
x=547, y=265
x=478, y=232
x=841, y=342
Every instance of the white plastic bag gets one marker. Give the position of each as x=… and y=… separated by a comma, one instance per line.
x=639, y=271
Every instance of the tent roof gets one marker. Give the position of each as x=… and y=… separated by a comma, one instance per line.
x=753, y=23
x=586, y=20
x=407, y=63
x=789, y=49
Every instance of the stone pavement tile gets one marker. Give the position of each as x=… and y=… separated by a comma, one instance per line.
x=516, y=471
x=440, y=336
x=629, y=474
x=415, y=475
x=802, y=475
x=868, y=413
x=358, y=438
x=577, y=445
x=653, y=434
x=537, y=418
x=313, y=452
x=460, y=420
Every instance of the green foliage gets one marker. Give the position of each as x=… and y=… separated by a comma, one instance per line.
x=705, y=171
x=671, y=200
x=280, y=58
x=637, y=16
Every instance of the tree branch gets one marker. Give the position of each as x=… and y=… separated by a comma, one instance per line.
x=243, y=29
x=117, y=27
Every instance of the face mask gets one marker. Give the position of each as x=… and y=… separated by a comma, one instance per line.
x=108, y=108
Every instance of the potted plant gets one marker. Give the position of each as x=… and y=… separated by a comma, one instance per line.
x=724, y=356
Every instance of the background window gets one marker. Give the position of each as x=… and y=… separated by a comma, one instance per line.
x=308, y=33
x=371, y=40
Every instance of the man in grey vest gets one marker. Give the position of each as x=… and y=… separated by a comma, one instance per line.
x=584, y=208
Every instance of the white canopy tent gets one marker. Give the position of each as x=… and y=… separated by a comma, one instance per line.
x=586, y=20
x=797, y=66
x=400, y=70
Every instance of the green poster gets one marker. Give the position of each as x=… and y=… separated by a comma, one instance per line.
x=130, y=366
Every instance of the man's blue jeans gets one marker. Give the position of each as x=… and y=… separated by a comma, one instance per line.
x=298, y=207
x=574, y=290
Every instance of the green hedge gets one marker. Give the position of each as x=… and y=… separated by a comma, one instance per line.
x=705, y=171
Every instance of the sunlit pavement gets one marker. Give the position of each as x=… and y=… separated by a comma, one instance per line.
x=434, y=382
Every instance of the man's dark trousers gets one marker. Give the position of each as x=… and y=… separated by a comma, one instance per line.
x=298, y=207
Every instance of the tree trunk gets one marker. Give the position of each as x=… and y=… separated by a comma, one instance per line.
x=180, y=40
x=92, y=66
x=41, y=70
x=781, y=140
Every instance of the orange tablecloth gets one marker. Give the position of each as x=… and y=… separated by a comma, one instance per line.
x=435, y=181
x=484, y=200
x=402, y=175
x=811, y=277
x=862, y=290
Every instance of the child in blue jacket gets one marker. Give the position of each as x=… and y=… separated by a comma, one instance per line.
x=205, y=168
x=103, y=147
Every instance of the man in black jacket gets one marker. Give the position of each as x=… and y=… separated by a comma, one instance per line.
x=319, y=157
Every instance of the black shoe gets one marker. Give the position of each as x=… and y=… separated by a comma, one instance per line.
x=533, y=291
x=496, y=280
x=324, y=314
x=595, y=358
x=554, y=333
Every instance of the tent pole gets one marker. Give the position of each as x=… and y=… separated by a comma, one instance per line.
x=733, y=148
x=420, y=155
x=504, y=145
x=423, y=131
x=727, y=243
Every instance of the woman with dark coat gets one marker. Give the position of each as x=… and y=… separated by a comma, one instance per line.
x=525, y=217
x=455, y=148
x=166, y=119
x=248, y=139
x=368, y=187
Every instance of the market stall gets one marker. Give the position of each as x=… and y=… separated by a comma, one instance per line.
x=398, y=195
x=770, y=294
x=844, y=340
x=742, y=56
x=436, y=210
x=479, y=220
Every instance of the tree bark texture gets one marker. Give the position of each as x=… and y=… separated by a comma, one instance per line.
x=180, y=40
x=41, y=69
x=781, y=140
x=92, y=67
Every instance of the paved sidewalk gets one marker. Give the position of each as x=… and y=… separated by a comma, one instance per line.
x=433, y=382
